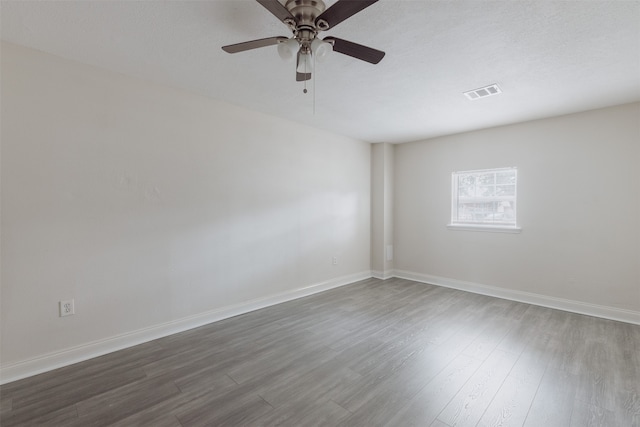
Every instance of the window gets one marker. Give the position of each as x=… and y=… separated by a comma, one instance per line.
x=484, y=199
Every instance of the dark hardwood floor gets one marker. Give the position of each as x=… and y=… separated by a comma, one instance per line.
x=374, y=353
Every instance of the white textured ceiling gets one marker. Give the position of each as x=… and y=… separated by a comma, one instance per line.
x=549, y=58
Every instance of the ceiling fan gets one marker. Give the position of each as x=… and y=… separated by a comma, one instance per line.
x=306, y=18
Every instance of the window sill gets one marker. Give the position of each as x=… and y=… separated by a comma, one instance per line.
x=486, y=228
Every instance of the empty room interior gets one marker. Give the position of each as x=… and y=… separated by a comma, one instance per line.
x=320, y=213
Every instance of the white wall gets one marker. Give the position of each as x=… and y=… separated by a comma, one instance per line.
x=148, y=205
x=578, y=206
x=382, y=162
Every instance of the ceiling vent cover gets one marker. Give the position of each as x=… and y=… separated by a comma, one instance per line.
x=483, y=92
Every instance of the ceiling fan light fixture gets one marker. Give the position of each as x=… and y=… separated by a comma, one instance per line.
x=304, y=63
x=321, y=49
x=288, y=48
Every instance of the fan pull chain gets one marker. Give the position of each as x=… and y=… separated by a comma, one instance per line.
x=305, y=74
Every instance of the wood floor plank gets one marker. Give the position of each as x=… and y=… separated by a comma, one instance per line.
x=212, y=385
x=315, y=385
x=159, y=415
x=468, y=405
x=382, y=326
x=553, y=402
x=489, y=339
x=225, y=358
x=596, y=386
x=390, y=389
x=568, y=354
x=296, y=414
x=119, y=403
x=163, y=420
x=391, y=353
x=119, y=361
x=588, y=415
x=204, y=381
x=387, y=391
x=511, y=404
x=527, y=327
x=240, y=406
x=288, y=358
x=623, y=368
x=425, y=406
x=57, y=393
x=67, y=416
x=6, y=404
x=373, y=353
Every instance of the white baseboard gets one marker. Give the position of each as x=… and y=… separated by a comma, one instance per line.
x=606, y=312
x=23, y=369
x=383, y=275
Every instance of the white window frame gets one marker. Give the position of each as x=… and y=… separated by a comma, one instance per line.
x=474, y=225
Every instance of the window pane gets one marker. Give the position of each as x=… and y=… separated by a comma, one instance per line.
x=484, y=197
x=487, y=191
x=505, y=190
x=508, y=177
x=487, y=178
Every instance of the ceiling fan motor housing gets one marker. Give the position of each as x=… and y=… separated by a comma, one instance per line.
x=305, y=13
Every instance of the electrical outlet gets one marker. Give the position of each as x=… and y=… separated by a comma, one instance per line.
x=334, y=260
x=67, y=308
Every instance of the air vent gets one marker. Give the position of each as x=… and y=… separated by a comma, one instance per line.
x=483, y=92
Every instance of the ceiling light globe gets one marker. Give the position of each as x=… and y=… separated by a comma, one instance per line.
x=288, y=48
x=304, y=63
x=321, y=49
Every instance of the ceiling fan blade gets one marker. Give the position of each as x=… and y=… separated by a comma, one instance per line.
x=341, y=10
x=277, y=9
x=356, y=50
x=253, y=44
x=300, y=77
